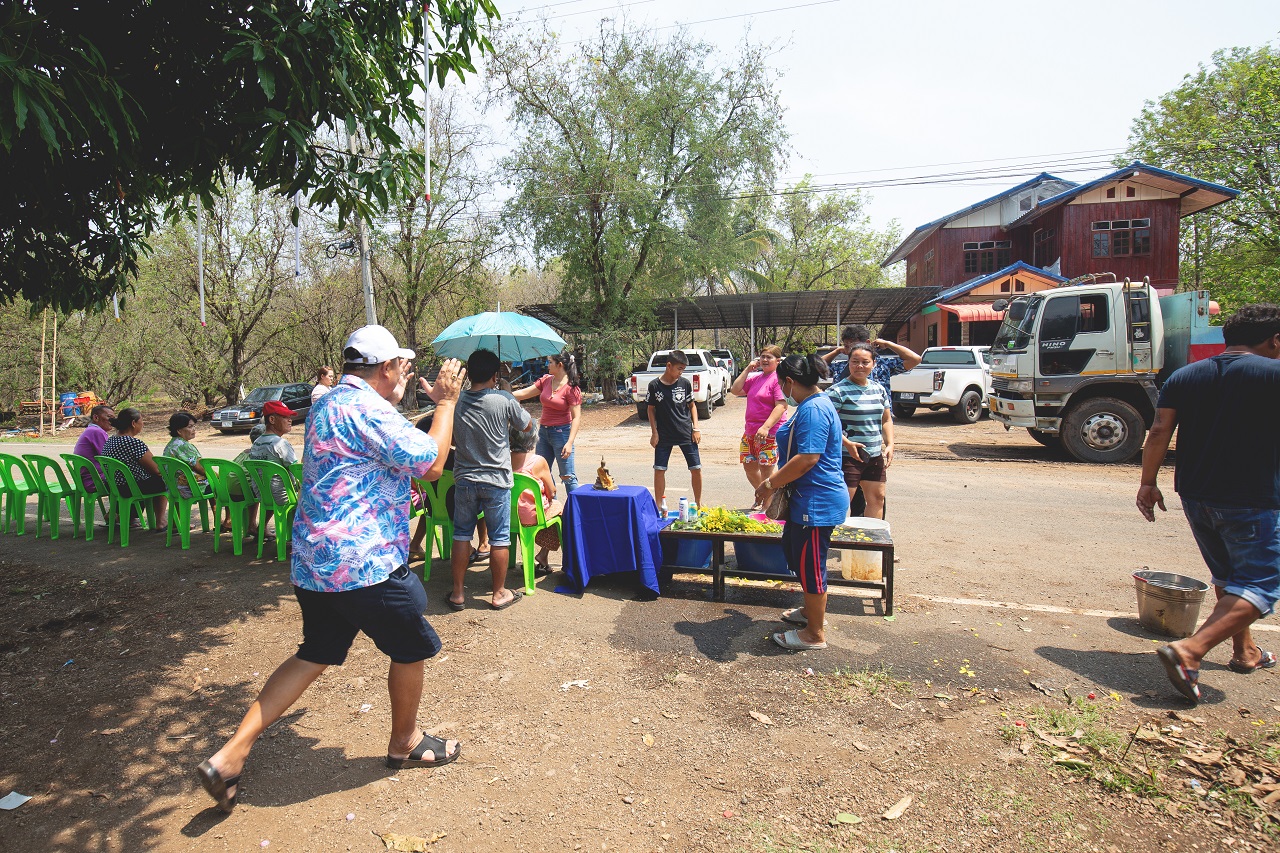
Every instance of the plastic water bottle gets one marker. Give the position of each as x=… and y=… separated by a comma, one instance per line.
x=684, y=509
x=663, y=506
x=693, y=510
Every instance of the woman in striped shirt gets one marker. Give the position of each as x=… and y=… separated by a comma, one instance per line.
x=867, y=423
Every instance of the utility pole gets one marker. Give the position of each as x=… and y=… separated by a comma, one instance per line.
x=366, y=272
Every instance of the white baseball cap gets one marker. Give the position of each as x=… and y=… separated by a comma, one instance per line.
x=373, y=345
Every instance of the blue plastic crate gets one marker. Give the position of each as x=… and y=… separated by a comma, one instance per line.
x=689, y=553
x=765, y=557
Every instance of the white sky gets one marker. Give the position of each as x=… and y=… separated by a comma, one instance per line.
x=877, y=90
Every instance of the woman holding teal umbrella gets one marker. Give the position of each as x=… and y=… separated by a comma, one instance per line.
x=561, y=397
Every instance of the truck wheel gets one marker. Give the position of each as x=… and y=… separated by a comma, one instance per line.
x=1048, y=439
x=705, y=409
x=1103, y=429
x=902, y=412
x=969, y=409
x=642, y=411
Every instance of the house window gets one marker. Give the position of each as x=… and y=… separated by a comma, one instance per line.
x=1121, y=238
x=1111, y=192
x=987, y=256
x=1019, y=287
x=1045, y=250
x=911, y=275
x=1004, y=287
x=1130, y=192
x=931, y=335
x=930, y=269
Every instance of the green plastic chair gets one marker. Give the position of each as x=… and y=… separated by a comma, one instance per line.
x=52, y=495
x=295, y=471
x=524, y=483
x=16, y=481
x=122, y=505
x=77, y=466
x=263, y=472
x=179, y=506
x=441, y=522
x=223, y=475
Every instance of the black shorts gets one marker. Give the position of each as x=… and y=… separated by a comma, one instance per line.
x=389, y=613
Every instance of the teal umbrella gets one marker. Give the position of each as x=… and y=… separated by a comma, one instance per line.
x=514, y=337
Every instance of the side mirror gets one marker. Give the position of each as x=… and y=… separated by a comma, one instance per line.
x=1000, y=305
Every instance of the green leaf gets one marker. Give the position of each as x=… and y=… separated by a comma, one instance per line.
x=267, y=80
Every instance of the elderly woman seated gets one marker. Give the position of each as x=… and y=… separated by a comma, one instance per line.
x=525, y=461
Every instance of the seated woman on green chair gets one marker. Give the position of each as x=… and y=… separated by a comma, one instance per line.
x=182, y=429
x=525, y=461
x=125, y=446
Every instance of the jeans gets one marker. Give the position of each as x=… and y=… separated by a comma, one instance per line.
x=551, y=441
x=1241, y=547
x=471, y=499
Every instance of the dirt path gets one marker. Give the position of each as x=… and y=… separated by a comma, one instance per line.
x=121, y=668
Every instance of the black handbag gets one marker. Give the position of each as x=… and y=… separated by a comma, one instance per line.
x=779, y=505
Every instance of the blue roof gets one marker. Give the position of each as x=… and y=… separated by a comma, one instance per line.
x=920, y=234
x=974, y=283
x=1192, y=202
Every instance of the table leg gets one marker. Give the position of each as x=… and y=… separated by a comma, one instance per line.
x=717, y=568
x=886, y=571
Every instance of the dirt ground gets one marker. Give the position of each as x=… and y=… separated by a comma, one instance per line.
x=1013, y=696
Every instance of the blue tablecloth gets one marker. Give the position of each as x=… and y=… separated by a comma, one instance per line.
x=608, y=532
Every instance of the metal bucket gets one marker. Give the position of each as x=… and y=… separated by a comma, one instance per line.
x=1169, y=604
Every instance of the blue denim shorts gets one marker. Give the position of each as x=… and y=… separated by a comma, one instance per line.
x=662, y=455
x=471, y=499
x=1241, y=548
x=389, y=613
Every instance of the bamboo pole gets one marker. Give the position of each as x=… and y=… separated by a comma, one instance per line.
x=44, y=325
x=53, y=380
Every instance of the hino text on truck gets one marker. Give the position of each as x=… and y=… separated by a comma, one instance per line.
x=1082, y=364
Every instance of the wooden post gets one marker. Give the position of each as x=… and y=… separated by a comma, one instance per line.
x=44, y=324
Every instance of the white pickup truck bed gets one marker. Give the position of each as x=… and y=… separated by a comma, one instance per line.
x=954, y=378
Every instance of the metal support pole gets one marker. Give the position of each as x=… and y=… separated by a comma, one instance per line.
x=837, y=319
x=753, y=333
x=200, y=256
x=675, y=333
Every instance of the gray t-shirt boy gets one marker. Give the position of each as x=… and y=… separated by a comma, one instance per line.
x=481, y=423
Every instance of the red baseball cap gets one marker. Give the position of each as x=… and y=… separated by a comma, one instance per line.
x=275, y=407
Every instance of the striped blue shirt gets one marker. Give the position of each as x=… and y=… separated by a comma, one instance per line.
x=861, y=409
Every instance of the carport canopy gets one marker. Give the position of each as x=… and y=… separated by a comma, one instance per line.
x=866, y=305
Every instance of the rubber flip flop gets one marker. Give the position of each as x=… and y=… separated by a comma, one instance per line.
x=456, y=605
x=541, y=570
x=428, y=743
x=795, y=616
x=1268, y=662
x=478, y=556
x=1183, y=680
x=790, y=640
x=216, y=786
x=516, y=595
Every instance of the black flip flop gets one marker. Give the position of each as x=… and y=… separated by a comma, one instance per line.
x=477, y=556
x=516, y=595
x=415, y=759
x=1267, y=661
x=1184, y=680
x=456, y=605
x=216, y=786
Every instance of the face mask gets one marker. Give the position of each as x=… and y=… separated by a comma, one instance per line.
x=790, y=401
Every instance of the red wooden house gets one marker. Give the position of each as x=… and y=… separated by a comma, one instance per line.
x=1040, y=233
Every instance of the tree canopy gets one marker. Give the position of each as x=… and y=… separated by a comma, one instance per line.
x=118, y=113
x=1221, y=125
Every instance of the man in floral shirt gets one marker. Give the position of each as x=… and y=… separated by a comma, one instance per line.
x=350, y=553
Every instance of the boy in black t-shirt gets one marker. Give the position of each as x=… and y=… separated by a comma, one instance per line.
x=673, y=421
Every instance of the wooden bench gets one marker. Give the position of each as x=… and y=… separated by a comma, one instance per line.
x=867, y=540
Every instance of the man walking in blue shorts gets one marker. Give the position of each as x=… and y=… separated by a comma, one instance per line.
x=1227, y=413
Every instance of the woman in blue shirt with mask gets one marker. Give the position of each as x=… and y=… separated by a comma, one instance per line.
x=809, y=447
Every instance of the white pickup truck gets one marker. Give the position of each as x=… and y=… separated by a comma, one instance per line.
x=955, y=378
x=710, y=381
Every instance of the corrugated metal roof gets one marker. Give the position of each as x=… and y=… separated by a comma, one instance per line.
x=974, y=283
x=922, y=233
x=868, y=305
x=1202, y=194
x=968, y=312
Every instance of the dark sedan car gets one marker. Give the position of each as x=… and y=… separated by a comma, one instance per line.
x=247, y=414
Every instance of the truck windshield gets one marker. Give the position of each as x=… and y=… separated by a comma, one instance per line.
x=1019, y=324
x=659, y=361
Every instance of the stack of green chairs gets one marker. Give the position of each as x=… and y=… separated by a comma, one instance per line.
x=122, y=505
x=263, y=472
x=52, y=495
x=179, y=506
x=229, y=480
x=77, y=466
x=525, y=535
x=17, y=485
